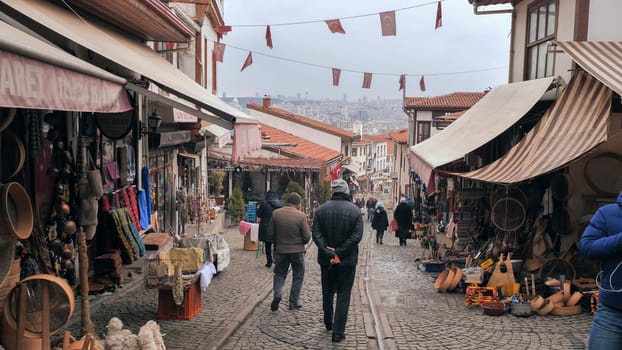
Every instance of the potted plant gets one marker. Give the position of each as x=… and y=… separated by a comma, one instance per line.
x=235, y=206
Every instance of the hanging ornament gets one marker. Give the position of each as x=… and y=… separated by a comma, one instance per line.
x=422, y=84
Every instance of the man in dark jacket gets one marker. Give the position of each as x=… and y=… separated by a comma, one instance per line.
x=291, y=233
x=337, y=231
x=264, y=213
x=602, y=241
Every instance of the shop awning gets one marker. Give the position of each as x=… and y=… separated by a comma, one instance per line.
x=37, y=75
x=496, y=112
x=602, y=59
x=574, y=125
x=130, y=54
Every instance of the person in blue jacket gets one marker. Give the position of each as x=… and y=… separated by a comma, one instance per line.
x=602, y=241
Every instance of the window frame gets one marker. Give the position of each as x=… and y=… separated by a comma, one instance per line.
x=546, y=38
x=428, y=127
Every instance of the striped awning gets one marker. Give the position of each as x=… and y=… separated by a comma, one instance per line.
x=574, y=125
x=602, y=59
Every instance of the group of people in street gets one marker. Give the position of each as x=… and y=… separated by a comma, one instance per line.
x=337, y=231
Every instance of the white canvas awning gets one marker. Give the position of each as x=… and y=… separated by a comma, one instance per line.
x=496, y=112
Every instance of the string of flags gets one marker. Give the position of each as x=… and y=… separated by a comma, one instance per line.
x=388, y=27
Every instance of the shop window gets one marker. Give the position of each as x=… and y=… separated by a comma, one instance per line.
x=541, y=30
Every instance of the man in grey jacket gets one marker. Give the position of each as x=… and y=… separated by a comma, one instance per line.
x=337, y=231
x=291, y=232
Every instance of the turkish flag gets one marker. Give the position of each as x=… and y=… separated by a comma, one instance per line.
x=422, y=84
x=334, y=25
x=222, y=29
x=248, y=62
x=366, y=80
x=334, y=175
x=268, y=37
x=219, y=51
x=439, y=16
x=387, y=22
x=402, y=81
x=336, y=75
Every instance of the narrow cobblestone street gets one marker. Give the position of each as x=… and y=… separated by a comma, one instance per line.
x=236, y=312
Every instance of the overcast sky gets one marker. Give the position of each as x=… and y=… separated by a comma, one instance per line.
x=478, y=45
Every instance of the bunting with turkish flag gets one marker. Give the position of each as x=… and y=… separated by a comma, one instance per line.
x=334, y=25
x=268, y=37
x=387, y=23
x=219, y=51
x=248, y=61
x=222, y=30
x=366, y=80
x=439, y=16
x=336, y=76
x=402, y=82
x=422, y=84
x=334, y=175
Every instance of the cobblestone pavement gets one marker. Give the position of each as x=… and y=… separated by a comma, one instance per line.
x=236, y=312
x=421, y=318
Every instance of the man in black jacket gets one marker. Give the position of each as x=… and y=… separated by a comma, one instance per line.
x=337, y=231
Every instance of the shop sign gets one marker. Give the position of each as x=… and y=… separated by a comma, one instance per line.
x=27, y=83
x=180, y=116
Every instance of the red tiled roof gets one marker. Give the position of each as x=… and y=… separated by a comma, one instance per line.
x=400, y=136
x=281, y=113
x=455, y=100
x=304, y=149
x=364, y=141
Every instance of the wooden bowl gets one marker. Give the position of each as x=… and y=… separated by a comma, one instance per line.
x=537, y=302
x=455, y=281
x=566, y=310
x=444, y=280
x=556, y=298
x=545, y=309
x=574, y=299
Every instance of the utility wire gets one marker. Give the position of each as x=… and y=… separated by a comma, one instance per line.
x=322, y=21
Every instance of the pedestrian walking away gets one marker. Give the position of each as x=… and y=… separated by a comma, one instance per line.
x=291, y=233
x=602, y=241
x=264, y=214
x=404, y=216
x=380, y=222
x=370, y=205
x=337, y=232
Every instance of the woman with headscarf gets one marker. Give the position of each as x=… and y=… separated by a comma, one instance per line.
x=380, y=221
x=404, y=217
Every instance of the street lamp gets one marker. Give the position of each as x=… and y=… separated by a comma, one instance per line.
x=153, y=124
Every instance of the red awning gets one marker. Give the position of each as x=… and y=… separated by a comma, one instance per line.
x=27, y=83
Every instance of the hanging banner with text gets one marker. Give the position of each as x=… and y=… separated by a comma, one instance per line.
x=27, y=83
